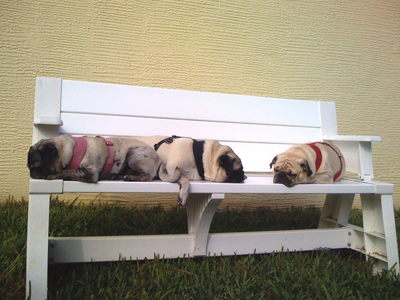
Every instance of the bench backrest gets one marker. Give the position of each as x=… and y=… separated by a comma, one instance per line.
x=257, y=128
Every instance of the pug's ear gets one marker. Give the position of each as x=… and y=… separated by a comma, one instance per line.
x=30, y=154
x=273, y=162
x=48, y=153
x=306, y=168
x=226, y=162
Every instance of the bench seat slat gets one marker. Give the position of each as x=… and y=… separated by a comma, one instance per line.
x=353, y=138
x=253, y=185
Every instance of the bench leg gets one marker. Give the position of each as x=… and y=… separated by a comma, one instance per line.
x=37, y=247
x=200, y=212
x=380, y=231
x=336, y=211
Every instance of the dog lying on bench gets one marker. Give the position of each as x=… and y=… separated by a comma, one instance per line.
x=89, y=159
x=198, y=159
x=318, y=162
x=173, y=159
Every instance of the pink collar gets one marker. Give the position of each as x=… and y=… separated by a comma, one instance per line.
x=110, y=160
x=79, y=153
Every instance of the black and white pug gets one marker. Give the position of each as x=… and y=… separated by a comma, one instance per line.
x=198, y=159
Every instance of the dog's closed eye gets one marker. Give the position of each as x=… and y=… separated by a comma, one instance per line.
x=226, y=162
x=306, y=168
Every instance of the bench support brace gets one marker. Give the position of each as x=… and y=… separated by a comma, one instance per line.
x=200, y=212
x=336, y=210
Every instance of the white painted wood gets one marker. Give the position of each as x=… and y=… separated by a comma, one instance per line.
x=123, y=100
x=389, y=229
x=222, y=131
x=39, y=186
x=48, y=121
x=256, y=157
x=328, y=118
x=267, y=242
x=383, y=188
x=200, y=212
x=336, y=210
x=257, y=129
x=254, y=184
x=356, y=239
x=97, y=249
x=37, y=246
x=47, y=98
x=352, y=138
x=366, y=168
x=105, y=105
x=46, y=117
x=379, y=230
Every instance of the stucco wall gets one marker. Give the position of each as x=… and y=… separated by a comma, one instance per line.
x=342, y=51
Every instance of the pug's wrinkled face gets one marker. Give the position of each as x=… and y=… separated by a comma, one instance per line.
x=290, y=170
x=43, y=160
x=229, y=167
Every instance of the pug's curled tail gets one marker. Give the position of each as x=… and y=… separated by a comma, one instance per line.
x=179, y=178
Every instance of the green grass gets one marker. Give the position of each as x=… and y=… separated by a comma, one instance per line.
x=303, y=275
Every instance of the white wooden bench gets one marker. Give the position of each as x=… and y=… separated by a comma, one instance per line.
x=257, y=129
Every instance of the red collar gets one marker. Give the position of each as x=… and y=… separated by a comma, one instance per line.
x=79, y=153
x=318, y=160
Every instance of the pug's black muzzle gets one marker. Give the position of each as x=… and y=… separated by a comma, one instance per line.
x=281, y=177
x=237, y=176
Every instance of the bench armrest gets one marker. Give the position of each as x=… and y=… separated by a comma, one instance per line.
x=48, y=121
x=357, y=151
x=352, y=138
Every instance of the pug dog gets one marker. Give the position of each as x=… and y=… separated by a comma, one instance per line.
x=125, y=158
x=198, y=159
x=318, y=162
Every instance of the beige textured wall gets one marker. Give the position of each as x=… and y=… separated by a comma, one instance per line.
x=342, y=51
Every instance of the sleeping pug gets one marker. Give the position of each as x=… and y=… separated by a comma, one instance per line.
x=89, y=159
x=198, y=159
x=318, y=162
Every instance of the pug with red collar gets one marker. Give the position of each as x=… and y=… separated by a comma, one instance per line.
x=318, y=162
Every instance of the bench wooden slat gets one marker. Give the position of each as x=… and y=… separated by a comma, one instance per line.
x=99, y=249
x=251, y=142
x=222, y=131
x=253, y=185
x=123, y=100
